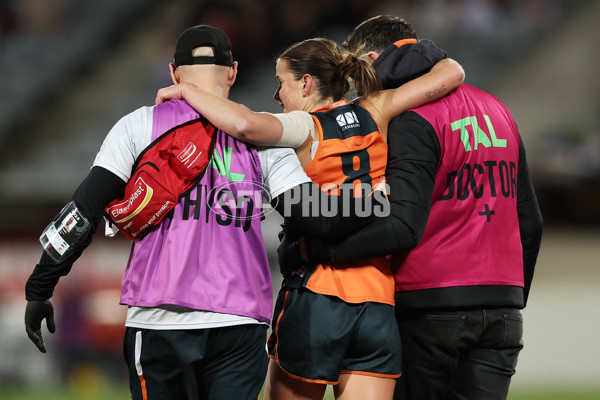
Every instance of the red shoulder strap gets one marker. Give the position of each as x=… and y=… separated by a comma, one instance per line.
x=165, y=170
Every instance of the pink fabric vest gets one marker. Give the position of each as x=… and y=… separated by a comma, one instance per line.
x=472, y=235
x=210, y=255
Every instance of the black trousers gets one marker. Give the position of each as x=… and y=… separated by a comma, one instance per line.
x=459, y=354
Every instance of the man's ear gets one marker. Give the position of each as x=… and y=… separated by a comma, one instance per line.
x=373, y=55
x=232, y=74
x=307, y=84
x=174, y=74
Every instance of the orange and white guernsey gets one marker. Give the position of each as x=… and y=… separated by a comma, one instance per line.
x=349, y=148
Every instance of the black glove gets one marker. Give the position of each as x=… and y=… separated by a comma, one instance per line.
x=35, y=312
x=288, y=251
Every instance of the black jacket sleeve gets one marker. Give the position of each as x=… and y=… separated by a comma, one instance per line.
x=98, y=189
x=309, y=209
x=397, y=65
x=413, y=156
x=530, y=220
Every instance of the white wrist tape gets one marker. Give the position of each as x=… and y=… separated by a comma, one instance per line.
x=297, y=125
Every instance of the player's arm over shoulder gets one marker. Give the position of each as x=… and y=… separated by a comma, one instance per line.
x=259, y=128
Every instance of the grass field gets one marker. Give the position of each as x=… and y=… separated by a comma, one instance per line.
x=122, y=393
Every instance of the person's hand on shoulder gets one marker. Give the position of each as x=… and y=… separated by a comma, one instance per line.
x=171, y=92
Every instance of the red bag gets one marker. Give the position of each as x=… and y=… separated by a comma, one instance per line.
x=164, y=171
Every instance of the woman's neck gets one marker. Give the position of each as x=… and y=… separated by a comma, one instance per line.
x=318, y=104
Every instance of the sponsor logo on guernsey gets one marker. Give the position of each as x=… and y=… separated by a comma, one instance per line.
x=347, y=120
x=137, y=201
x=187, y=153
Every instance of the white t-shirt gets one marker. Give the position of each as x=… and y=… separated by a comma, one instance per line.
x=281, y=171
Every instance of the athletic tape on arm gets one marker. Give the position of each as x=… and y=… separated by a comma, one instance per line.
x=297, y=125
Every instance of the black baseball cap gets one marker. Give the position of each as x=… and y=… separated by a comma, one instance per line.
x=203, y=35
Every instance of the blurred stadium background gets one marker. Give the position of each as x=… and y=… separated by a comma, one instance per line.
x=69, y=70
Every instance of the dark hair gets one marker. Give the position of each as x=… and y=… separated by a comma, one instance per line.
x=323, y=60
x=377, y=33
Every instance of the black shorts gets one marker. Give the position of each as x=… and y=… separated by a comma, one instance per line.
x=219, y=363
x=317, y=337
